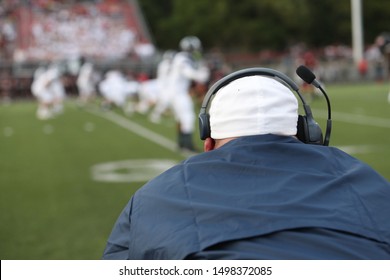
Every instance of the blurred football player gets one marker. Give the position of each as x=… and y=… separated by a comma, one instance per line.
x=163, y=98
x=116, y=90
x=187, y=66
x=49, y=90
x=86, y=82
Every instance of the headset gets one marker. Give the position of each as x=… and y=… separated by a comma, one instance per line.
x=308, y=130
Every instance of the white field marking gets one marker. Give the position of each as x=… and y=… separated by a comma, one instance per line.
x=89, y=127
x=8, y=131
x=125, y=171
x=359, y=149
x=48, y=129
x=137, y=129
x=354, y=118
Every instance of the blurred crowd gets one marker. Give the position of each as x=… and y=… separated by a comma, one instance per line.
x=51, y=30
x=67, y=34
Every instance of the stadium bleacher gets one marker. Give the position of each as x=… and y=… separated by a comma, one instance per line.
x=108, y=32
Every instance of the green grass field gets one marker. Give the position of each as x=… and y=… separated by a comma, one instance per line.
x=54, y=206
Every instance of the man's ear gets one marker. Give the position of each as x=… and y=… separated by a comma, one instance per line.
x=209, y=144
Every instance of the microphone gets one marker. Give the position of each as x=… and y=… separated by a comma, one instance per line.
x=308, y=76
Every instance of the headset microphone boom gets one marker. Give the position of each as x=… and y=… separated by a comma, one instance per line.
x=308, y=76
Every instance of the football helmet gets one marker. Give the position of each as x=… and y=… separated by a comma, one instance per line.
x=190, y=44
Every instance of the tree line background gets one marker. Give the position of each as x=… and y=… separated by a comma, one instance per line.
x=253, y=25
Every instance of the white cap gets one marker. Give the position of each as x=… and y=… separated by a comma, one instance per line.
x=251, y=106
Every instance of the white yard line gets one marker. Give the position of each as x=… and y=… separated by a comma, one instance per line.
x=171, y=145
x=137, y=129
x=354, y=118
x=360, y=149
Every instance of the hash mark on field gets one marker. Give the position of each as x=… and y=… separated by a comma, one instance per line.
x=8, y=131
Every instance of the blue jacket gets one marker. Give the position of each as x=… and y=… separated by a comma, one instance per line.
x=258, y=197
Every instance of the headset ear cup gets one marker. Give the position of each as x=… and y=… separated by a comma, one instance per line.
x=204, y=126
x=308, y=131
x=314, y=132
x=302, y=129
